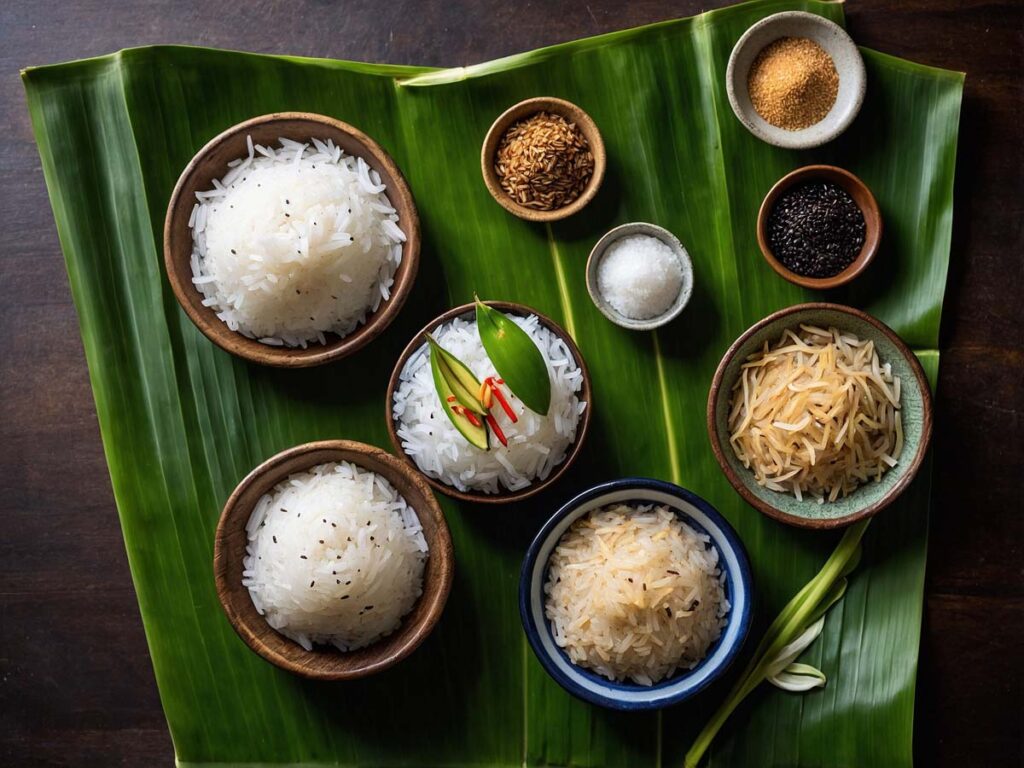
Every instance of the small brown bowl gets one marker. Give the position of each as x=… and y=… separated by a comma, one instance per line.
x=525, y=109
x=326, y=662
x=861, y=195
x=211, y=162
x=504, y=496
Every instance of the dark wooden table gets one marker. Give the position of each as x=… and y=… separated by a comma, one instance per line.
x=76, y=685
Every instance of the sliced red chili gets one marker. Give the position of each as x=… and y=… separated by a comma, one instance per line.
x=504, y=405
x=493, y=424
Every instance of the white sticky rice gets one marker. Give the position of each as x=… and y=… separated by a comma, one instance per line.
x=537, y=444
x=634, y=593
x=295, y=242
x=335, y=556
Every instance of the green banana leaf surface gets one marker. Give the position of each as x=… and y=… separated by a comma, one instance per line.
x=182, y=421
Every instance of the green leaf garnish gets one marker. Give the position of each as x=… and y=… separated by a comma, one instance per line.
x=515, y=357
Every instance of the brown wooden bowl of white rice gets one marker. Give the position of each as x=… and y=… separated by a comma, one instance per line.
x=541, y=448
x=333, y=560
x=291, y=239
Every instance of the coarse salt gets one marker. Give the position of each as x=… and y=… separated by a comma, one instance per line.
x=640, y=277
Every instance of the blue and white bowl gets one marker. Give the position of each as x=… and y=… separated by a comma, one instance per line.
x=596, y=688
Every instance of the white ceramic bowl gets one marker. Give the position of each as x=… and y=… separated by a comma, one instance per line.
x=837, y=44
x=626, y=230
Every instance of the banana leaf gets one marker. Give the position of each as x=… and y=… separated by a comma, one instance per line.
x=182, y=421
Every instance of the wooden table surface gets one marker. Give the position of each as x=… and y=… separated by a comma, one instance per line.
x=76, y=685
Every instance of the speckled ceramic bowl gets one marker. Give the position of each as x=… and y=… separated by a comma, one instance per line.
x=639, y=228
x=595, y=688
x=915, y=399
x=838, y=45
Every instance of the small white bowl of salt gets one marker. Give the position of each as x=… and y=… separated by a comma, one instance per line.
x=640, y=276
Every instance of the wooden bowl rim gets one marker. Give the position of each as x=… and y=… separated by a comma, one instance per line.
x=861, y=195
x=413, y=635
x=505, y=496
x=519, y=111
x=401, y=197
x=716, y=390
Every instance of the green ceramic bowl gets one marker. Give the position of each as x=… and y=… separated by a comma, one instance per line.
x=915, y=399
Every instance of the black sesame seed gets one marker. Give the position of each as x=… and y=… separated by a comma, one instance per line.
x=674, y=573
x=234, y=251
x=312, y=583
x=645, y=586
x=629, y=579
x=321, y=541
x=816, y=229
x=668, y=611
x=345, y=597
x=303, y=557
x=368, y=608
x=274, y=538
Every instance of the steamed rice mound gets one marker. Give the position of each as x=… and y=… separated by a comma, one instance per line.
x=295, y=242
x=335, y=556
x=536, y=444
x=634, y=593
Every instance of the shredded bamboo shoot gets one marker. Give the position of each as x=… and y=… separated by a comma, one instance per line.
x=817, y=414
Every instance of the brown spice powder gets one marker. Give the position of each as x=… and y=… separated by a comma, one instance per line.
x=544, y=162
x=793, y=83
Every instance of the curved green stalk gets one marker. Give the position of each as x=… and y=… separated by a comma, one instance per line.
x=808, y=606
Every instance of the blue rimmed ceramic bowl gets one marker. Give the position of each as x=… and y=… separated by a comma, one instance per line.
x=598, y=689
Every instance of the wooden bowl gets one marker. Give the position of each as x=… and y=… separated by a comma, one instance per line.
x=525, y=109
x=326, y=662
x=505, y=496
x=861, y=195
x=211, y=163
x=869, y=498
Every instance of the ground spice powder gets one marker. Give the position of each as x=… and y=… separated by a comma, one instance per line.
x=793, y=83
x=544, y=162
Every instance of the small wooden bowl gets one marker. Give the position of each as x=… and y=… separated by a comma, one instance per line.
x=915, y=403
x=861, y=195
x=505, y=496
x=326, y=662
x=211, y=162
x=525, y=109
